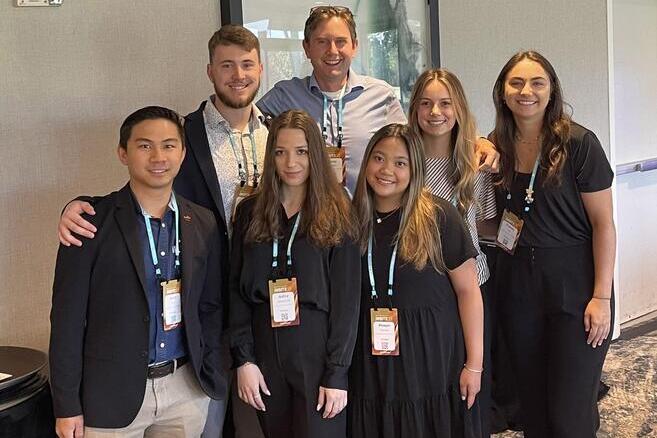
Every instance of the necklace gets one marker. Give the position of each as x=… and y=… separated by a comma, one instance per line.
x=521, y=140
x=380, y=219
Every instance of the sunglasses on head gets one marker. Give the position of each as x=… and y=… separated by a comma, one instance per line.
x=335, y=9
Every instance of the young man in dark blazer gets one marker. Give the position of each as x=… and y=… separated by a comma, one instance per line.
x=226, y=126
x=136, y=315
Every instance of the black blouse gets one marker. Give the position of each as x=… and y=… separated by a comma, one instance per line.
x=456, y=245
x=557, y=217
x=328, y=279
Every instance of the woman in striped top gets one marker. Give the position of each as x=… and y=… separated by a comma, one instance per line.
x=439, y=113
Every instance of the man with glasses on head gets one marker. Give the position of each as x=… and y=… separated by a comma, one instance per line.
x=348, y=107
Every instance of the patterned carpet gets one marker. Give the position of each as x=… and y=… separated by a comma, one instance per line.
x=630, y=408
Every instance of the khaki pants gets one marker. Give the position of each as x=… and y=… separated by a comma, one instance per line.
x=174, y=406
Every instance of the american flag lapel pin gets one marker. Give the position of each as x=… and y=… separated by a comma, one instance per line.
x=187, y=218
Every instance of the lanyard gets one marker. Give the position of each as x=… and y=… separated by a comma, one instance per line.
x=325, y=116
x=370, y=269
x=238, y=157
x=151, y=242
x=274, y=250
x=529, y=197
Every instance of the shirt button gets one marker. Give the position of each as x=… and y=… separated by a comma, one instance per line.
x=164, y=225
x=161, y=344
x=163, y=253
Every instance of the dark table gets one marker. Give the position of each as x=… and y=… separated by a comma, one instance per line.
x=25, y=402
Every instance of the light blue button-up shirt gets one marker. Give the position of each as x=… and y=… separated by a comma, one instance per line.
x=369, y=104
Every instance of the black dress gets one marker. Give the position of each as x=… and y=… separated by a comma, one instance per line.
x=415, y=394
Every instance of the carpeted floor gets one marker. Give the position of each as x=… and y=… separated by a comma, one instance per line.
x=630, y=408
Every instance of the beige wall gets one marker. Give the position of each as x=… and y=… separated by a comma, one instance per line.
x=478, y=37
x=68, y=77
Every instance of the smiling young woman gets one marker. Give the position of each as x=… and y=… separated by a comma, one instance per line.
x=295, y=273
x=418, y=359
x=440, y=114
x=555, y=282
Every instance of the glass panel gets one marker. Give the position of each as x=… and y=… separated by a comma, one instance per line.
x=393, y=40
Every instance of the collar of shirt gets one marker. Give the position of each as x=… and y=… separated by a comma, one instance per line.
x=214, y=120
x=354, y=82
x=140, y=210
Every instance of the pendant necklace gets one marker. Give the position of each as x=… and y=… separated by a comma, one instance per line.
x=381, y=219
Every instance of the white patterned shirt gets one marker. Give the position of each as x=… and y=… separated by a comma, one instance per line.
x=440, y=184
x=225, y=162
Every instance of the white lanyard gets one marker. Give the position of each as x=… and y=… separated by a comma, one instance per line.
x=370, y=268
x=529, y=198
x=238, y=157
x=325, y=116
x=151, y=241
x=274, y=250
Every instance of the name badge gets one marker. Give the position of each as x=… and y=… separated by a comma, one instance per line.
x=171, y=304
x=241, y=193
x=385, y=332
x=284, y=302
x=508, y=234
x=337, y=157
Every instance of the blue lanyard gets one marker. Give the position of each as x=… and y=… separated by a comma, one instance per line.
x=529, y=197
x=238, y=157
x=274, y=250
x=173, y=205
x=325, y=118
x=370, y=269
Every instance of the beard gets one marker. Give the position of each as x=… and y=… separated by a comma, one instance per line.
x=236, y=103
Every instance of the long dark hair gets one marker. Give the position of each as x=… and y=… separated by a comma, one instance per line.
x=327, y=216
x=555, y=131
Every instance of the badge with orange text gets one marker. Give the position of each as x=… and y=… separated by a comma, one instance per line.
x=284, y=302
x=385, y=332
x=508, y=234
x=171, y=304
x=337, y=157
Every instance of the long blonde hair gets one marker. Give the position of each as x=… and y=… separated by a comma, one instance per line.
x=327, y=216
x=418, y=235
x=463, y=136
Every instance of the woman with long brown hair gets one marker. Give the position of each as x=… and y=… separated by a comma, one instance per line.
x=295, y=276
x=418, y=359
x=557, y=232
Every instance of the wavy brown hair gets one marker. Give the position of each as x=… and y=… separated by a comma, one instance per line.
x=462, y=138
x=418, y=235
x=326, y=213
x=555, y=131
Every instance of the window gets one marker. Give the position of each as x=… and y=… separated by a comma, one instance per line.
x=393, y=39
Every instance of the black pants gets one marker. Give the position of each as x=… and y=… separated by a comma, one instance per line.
x=543, y=294
x=292, y=361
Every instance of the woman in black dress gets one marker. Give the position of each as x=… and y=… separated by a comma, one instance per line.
x=418, y=359
x=295, y=277
x=555, y=278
